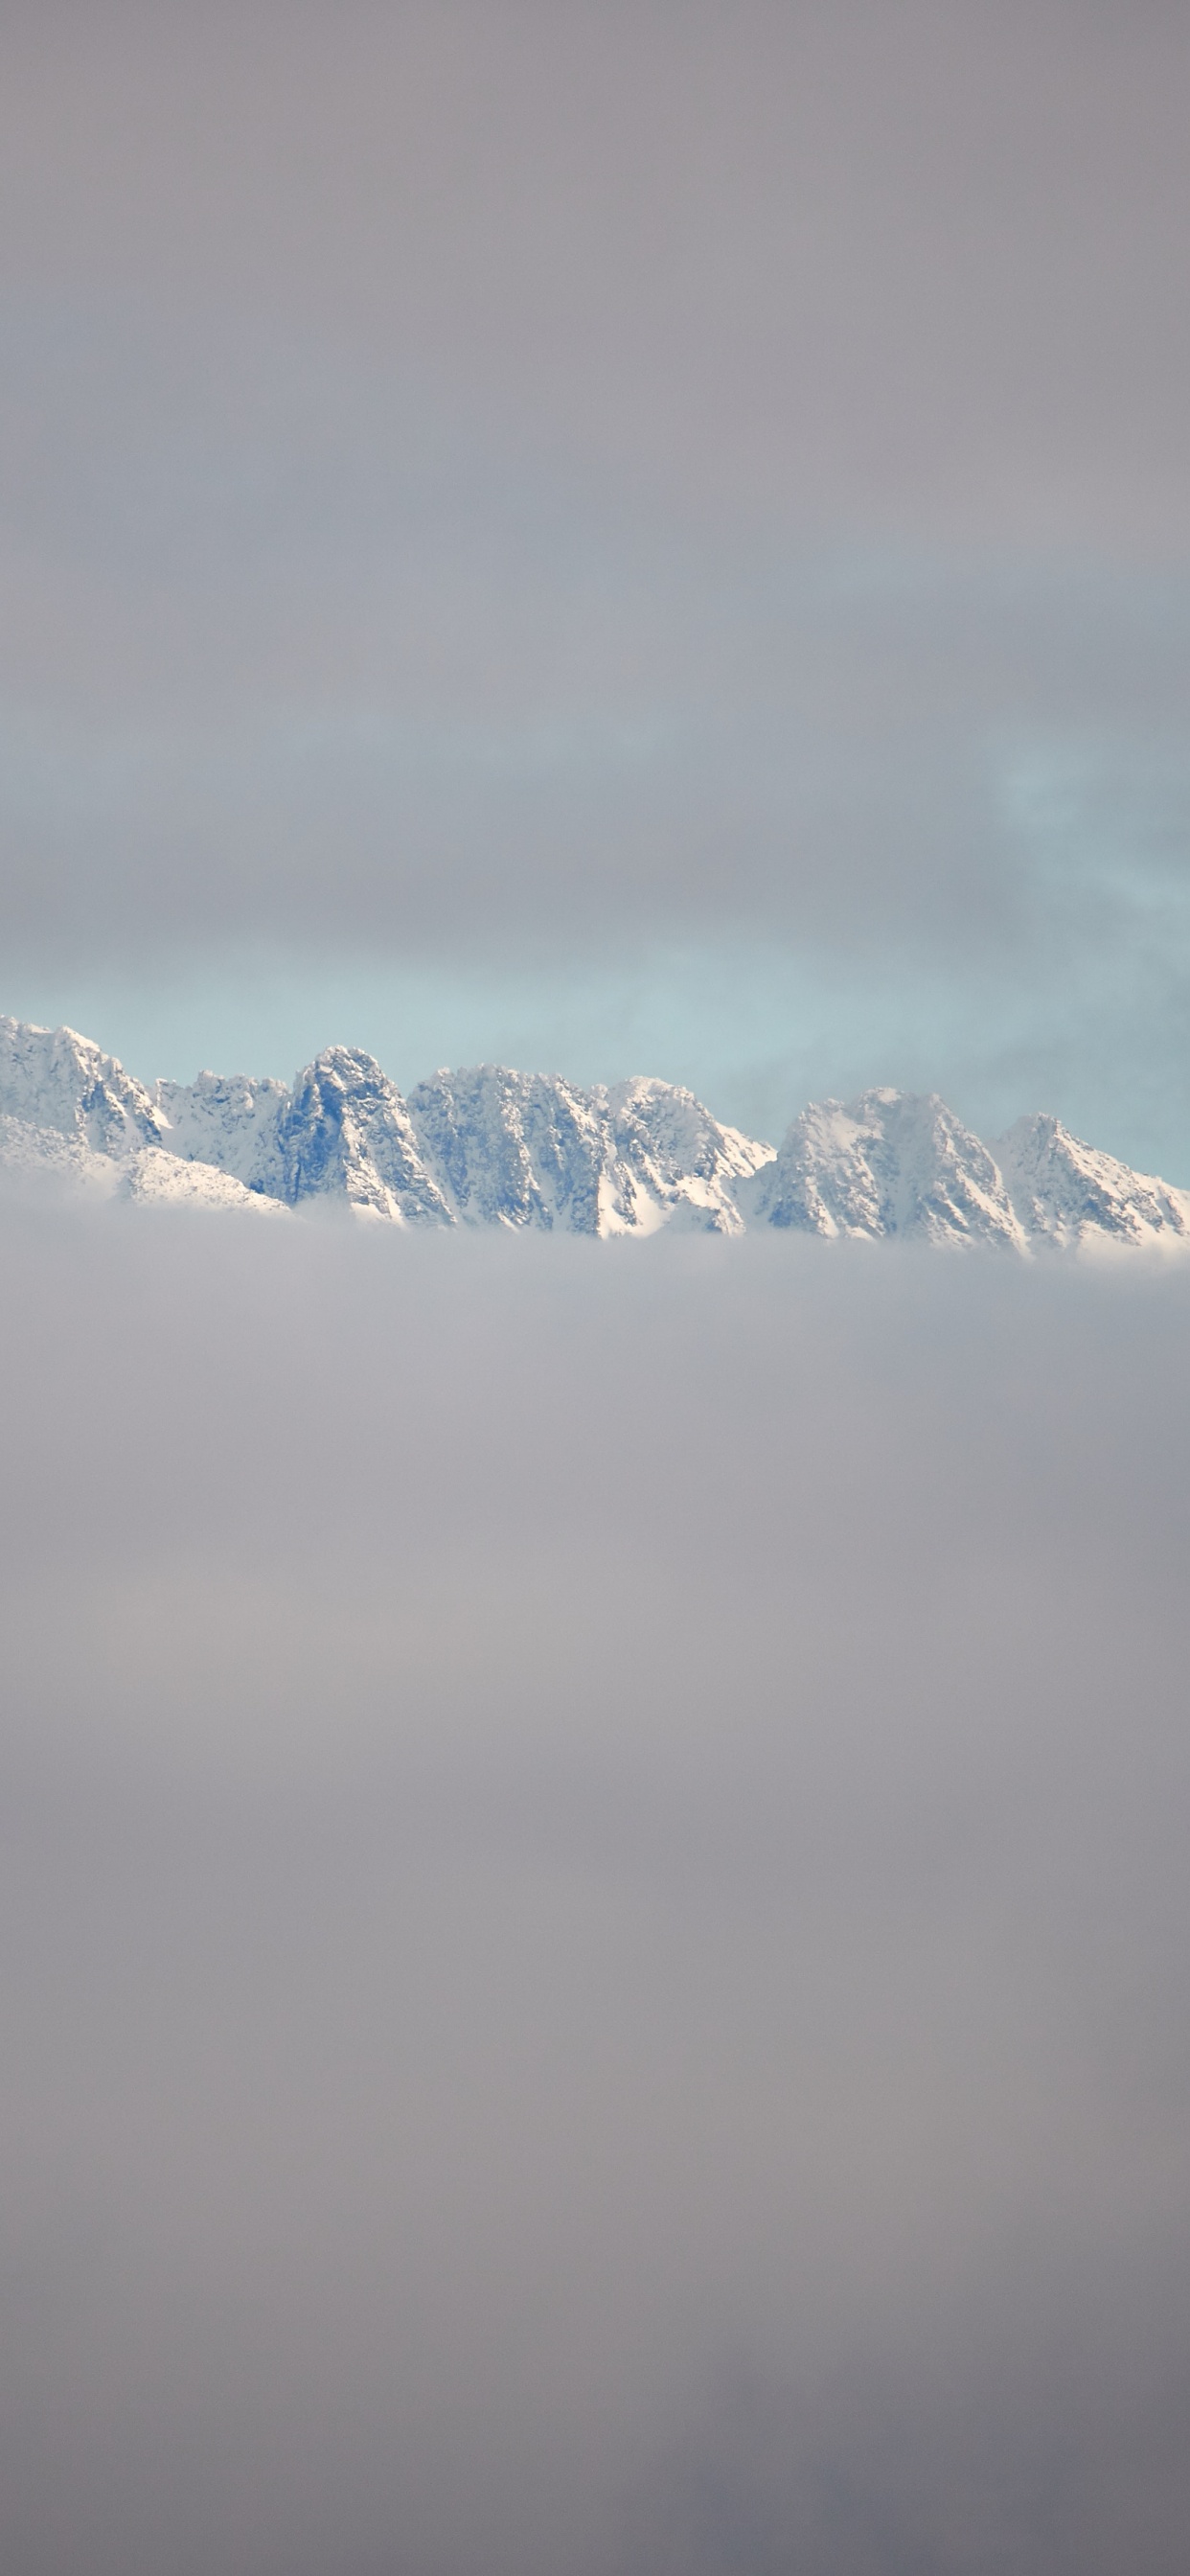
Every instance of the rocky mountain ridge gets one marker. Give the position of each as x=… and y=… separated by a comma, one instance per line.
x=488, y=1146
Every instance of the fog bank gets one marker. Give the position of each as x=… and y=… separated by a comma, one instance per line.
x=594, y=1907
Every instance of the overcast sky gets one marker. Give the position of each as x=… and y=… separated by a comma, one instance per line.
x=642, y=537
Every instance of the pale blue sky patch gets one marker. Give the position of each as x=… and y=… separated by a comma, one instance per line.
x=754, y=1029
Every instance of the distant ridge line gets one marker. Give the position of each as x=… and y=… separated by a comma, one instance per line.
x=488, y=1146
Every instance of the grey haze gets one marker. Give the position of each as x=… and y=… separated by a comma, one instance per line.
x=594, y=1906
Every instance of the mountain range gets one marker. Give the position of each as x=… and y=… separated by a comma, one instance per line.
x=488, y=1146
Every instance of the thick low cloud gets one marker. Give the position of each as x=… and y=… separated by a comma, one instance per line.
x=594, y=1908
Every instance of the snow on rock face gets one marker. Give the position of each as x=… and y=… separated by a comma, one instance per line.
x=342, y=1132
x=347, y=1133
x=686, y=1166
x=155, y=1177
x=519, y=1149
x=70, y=1114
x=55, y=1079
x=887, y=1163
x=34, y=1154
x=1065, y=1192
x=487, y=1146
x=30, y=1155
x=229, y=1120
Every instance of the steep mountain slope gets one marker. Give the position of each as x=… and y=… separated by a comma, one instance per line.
x=36, y=1156
x=518, y=1149
x=157, y=1177
x=343, y=1132
x=1065, y=1192
x=71, y=1114
x=685, y=1165
x=484, y=1146
x=488, y=1146
x=888, y=1163
x=228, y=1120
x=346, y=1133
x=521, y=1149
x=33, y=1154
x=54, y=1078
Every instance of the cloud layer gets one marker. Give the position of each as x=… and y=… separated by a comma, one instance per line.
x=594, y=1906
x=605, y=508
x=796, y=253
x=496, y=474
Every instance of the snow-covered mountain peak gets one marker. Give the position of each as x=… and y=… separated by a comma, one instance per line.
x=530, y=1149
x=55, y=1079
x=490, y=1146
x=681, y=1130
x=1066, y=1192
x=684, y=1164
x=227, y=1120
x=887, y=1163
x=519, y=1149
x=347, y=1132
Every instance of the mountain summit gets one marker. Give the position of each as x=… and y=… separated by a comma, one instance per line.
x=490, y=1147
